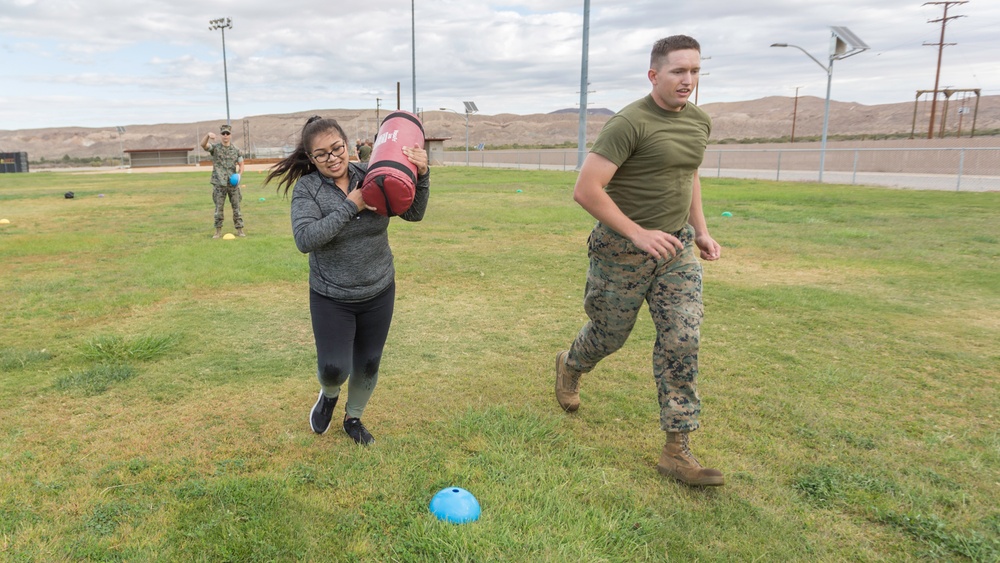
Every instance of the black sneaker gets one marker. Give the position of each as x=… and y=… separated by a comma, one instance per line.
x=358, y=432
x=322, y=413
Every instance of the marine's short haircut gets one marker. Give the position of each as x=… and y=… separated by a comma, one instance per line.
x=665, y=46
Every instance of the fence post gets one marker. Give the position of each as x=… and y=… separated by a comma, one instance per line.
x=961, y=165
x=777, y=176
x=854, y=174
x=718, y=170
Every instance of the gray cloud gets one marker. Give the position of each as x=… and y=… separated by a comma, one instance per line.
x=109, y=61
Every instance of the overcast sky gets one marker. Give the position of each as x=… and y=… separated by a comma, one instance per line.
x=100, y=63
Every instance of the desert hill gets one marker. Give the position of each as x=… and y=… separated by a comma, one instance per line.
x=769, y=117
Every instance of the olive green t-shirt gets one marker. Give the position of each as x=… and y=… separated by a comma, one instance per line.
x=657, y=153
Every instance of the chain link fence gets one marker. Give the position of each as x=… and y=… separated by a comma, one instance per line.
x=945, y=168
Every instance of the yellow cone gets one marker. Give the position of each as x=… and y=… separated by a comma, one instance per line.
x=228, y=236
x=4, y=221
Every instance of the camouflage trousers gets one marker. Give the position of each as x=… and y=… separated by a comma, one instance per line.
x=219, y=194
x=621, y=277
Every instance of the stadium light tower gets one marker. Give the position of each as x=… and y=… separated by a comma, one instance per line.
x=843, y=44
x=223, y=24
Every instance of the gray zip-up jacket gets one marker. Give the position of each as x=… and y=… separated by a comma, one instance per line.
x=349, y=255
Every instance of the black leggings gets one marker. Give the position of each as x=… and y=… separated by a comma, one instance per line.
x=349, y=342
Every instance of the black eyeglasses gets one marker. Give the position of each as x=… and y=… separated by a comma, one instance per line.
x=324, y=156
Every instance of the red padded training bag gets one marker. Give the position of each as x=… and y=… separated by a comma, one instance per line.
x=390, y=183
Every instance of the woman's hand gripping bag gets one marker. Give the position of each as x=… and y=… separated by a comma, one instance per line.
x=390, y=183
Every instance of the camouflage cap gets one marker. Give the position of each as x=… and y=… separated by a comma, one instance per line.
x=226, y=129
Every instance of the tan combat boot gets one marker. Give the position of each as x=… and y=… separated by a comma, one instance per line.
x=567, y=384
x=240, y=233
x=676, y=461
x=218, y=233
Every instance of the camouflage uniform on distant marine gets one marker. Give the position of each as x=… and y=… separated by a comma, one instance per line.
x=365, y=151
x=226, y=161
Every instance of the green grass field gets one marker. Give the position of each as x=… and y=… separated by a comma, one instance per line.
x=155, y=383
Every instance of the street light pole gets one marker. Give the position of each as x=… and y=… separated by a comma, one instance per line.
x=466, y=137
x=470, y=108
x=826, y=109
x=840, y=40
x=700, y=74
x=223, y=24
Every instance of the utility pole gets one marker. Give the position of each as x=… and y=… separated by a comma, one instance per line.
x=698, y=84
x=795, y=112
x=941, y=45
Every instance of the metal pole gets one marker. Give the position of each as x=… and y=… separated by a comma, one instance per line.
x=826, y=120
x=225, y=74
x=975, y=114
x=413, y=50
x=222, y=24
x=467, y=137
x=944, y=114
x=581, y=142
x=961, y=167
x=835, y=53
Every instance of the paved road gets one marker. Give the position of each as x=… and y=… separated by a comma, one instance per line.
x=944, y=182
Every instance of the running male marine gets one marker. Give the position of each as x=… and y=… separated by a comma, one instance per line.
x=640, y=181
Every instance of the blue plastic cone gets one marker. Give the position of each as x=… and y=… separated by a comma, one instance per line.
x=455, y=505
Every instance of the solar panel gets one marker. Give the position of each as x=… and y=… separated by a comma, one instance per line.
x=845, y=43
x=853, y=41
